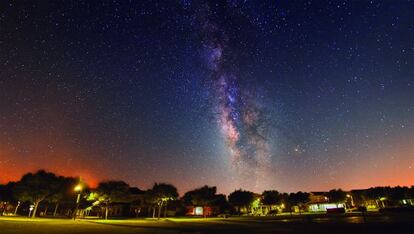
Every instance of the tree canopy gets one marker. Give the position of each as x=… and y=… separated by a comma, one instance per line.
x=36, y=187
x=112, y=191
x=160, y=194
x=201, y=197
x=336, y=195
x=241, y=198
x=298, y=198
x=271, y=197
x=6, y=192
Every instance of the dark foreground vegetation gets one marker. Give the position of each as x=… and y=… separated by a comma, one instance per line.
x=48, y=195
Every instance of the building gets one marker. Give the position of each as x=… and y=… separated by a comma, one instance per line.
x=324, y=207
x=205, y=211
x=318, y=197
x=319, y=202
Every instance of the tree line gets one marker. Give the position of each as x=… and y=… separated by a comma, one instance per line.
x=50, y=190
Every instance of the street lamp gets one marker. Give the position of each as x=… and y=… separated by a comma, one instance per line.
x=78, y=188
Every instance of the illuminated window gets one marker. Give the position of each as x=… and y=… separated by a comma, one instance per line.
x=198, y=210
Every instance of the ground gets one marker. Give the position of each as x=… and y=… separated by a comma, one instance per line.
x=261, y=225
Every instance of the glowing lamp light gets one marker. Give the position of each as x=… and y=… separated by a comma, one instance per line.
x=78, y=188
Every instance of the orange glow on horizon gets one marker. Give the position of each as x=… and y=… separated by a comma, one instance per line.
x=66, y=161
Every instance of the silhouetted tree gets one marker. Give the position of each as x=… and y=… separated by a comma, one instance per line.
x=336, y=196
x=159, y=196
x=36, y=188
x=298, y=199
x=6, y=196
x=398, y=193
x=6, y=192
x=204, y=196
x=111, y=191
x=284, y=197
x=271, y=197
x=410, y=193
x=241, y=198
x=64, y=191
x=377, y=194
x=221, y=202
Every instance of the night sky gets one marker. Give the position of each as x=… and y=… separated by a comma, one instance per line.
x=286, y=95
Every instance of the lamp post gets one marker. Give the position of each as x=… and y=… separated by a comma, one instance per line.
x=78, y=189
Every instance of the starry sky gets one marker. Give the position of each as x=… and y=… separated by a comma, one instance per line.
x=286, y=95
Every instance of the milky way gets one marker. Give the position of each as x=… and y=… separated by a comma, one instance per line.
x=236, y=107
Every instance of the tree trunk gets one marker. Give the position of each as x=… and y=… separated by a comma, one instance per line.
x=153, y=212
x=56, y=208
x=17, y=207
x=159, y=211
x=35, y=209
x=165, y=211
x=106, y=212
x=45, y=212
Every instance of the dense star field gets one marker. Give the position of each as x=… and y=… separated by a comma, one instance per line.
x=286, y=95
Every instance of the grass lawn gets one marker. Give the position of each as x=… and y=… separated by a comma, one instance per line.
x=260, y=225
